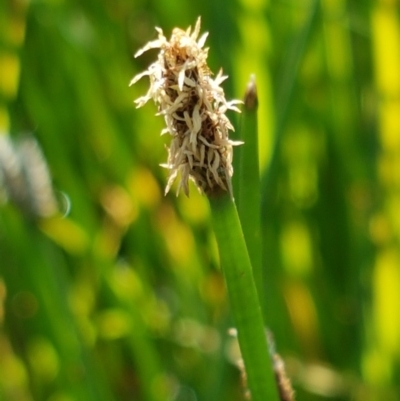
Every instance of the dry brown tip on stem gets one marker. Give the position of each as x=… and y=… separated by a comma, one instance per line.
x=250, y=96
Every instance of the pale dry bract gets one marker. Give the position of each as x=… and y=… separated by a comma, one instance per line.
x=194, y=108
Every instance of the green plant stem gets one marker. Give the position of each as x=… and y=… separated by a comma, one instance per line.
x=243, y=298
x=248, y=190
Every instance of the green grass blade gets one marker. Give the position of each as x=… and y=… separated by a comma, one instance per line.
x=285, y=96
x=243, y=297
x=248, y=189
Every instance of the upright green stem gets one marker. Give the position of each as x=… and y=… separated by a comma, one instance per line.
x=243, y=298
x=248, y=190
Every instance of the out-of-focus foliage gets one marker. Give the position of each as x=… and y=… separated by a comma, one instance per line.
x=118, y=296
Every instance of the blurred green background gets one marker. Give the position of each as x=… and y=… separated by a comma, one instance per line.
x=119, y=296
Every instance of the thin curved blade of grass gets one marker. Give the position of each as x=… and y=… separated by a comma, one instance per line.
x=284, y=99
x=243, y=298
x=248, y=189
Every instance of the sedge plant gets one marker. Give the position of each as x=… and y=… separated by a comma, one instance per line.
x=194, y=107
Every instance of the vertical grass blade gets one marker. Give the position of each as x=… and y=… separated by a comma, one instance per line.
x=248, y=189
x=243, y=297
x=285, y=96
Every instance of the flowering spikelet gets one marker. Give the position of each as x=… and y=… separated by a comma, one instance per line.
x=194, y=106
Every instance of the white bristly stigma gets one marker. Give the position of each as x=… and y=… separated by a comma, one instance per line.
x=194, y=106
